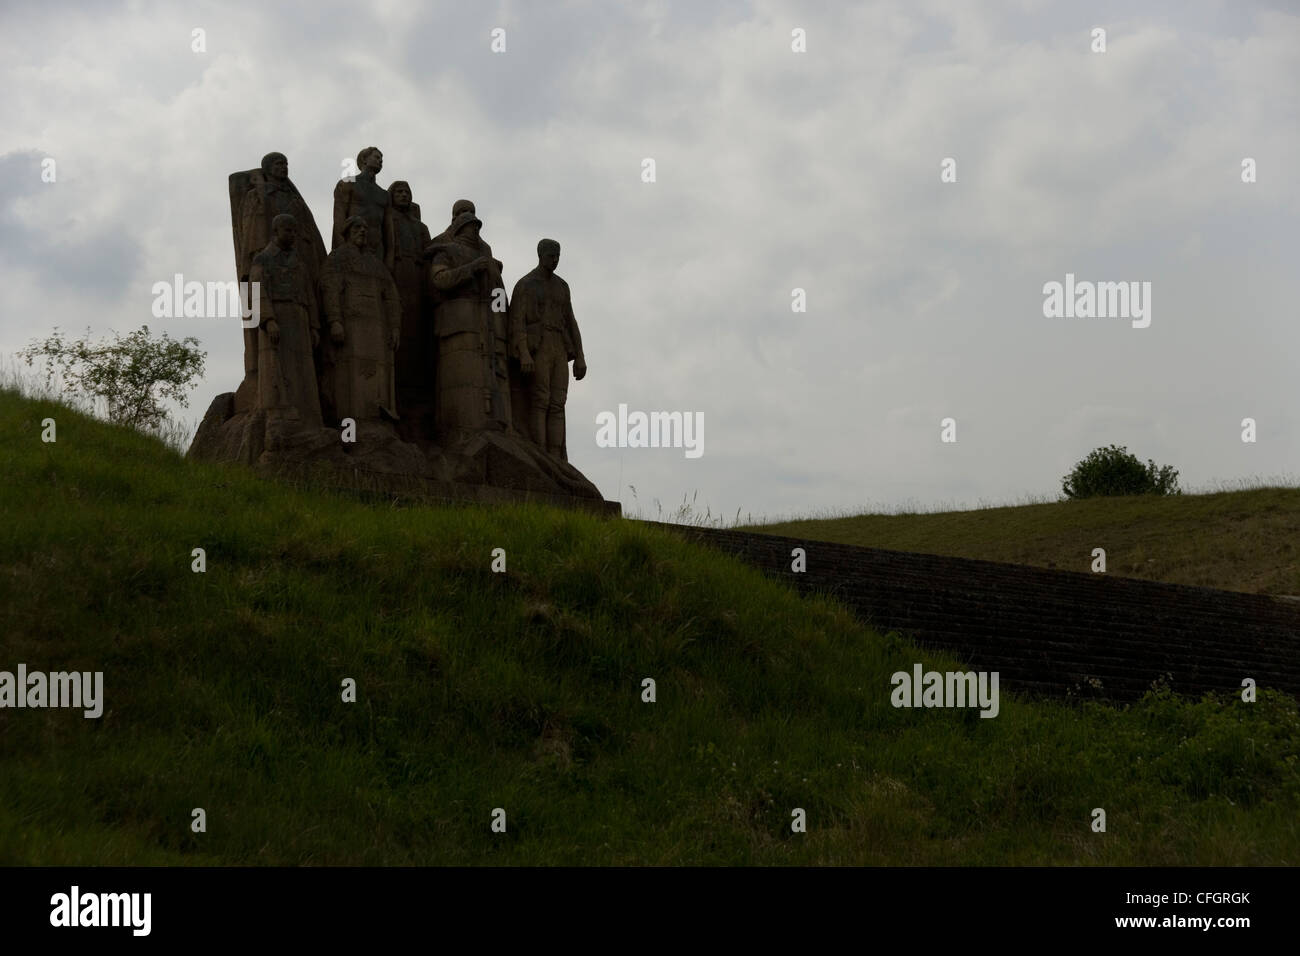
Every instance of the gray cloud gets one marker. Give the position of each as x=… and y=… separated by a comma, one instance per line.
x=60, y=252
x=775, y=170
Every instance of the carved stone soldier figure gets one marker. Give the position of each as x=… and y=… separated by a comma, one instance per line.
x=499, y=365
x=505, y=375
x=365, y=198
x=288, y=334
x=545, y=335
x=257, y=196
x=506, y=366
x=458, y=207
x=471, y=384
x=411, y=239
x=362, y=306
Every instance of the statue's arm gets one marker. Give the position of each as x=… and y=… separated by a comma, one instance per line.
x=393, y=312
x=331, y=287
x=390, y=239
x=257, y=275
x=342, y=195
x=447, y=277
x=313, y=305
x=517, y=320
x=572, y=322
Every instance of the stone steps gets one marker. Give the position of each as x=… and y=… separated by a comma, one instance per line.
x=1047, y=632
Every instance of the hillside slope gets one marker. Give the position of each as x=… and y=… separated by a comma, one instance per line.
x=1237, y=541
x=523, y=691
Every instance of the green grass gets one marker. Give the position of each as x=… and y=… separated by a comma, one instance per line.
x=523, y=691
x=1239, y=540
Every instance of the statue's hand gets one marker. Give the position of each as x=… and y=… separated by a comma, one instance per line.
x=479, y=264
x=579, y=369
x=336, y=333
x=526, y=362
x=273, y=330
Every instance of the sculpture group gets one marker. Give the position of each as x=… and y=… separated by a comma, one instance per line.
x=399, y=352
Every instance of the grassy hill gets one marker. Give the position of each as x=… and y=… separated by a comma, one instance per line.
x=522, y=690
x=1238, y=540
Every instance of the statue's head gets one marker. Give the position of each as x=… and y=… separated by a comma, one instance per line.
x=548, y=254
x=400, y=190
x=460, y=206
x=355, y=230
x=284, y=229
x=275, y=166
x=466, y=226
x=370, y=160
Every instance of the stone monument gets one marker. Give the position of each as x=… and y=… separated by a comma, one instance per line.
x=396, y=363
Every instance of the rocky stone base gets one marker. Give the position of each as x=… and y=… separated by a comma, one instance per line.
x=498, y=466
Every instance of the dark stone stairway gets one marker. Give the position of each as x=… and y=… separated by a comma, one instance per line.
x=1047, y=633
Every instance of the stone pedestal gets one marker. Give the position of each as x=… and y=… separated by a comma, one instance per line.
x=487, y=467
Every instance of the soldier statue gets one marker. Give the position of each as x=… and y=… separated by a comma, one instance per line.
x=545, y=338
x=362, y=307
x=288, y=334
x=257, y=196
x=411, y=239
x=472, y=389
x=366, y=198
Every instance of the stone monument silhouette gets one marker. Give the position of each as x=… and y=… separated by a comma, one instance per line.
x=396, y=362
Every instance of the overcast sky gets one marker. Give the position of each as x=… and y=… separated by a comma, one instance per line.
x=775, y=170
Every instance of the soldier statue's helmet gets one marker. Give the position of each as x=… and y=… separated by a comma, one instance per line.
x=463, y=220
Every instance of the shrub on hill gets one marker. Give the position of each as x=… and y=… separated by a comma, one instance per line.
x=132, y=374
x=1114, y=471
